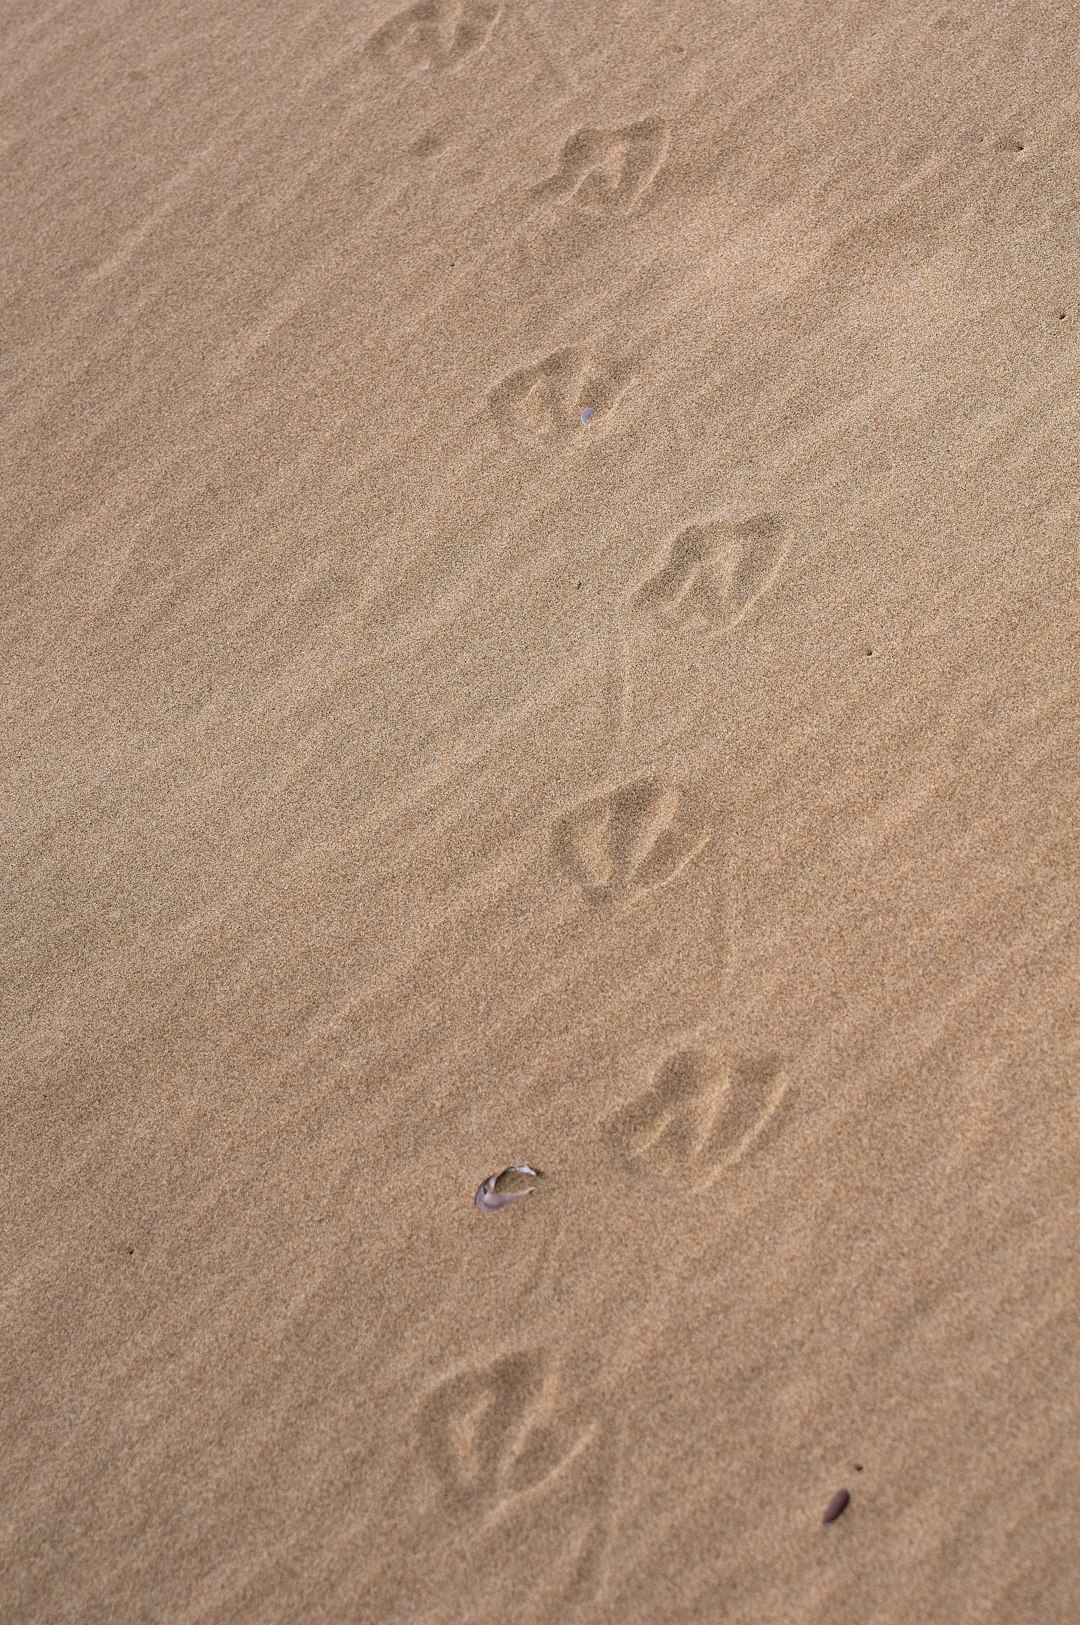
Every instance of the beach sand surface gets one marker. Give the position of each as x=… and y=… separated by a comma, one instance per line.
x=403, y=777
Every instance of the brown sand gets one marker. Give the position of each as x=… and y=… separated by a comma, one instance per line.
x=402, y=779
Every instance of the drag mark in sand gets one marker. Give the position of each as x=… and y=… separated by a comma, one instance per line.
x=696, y=1118
x=630, y=839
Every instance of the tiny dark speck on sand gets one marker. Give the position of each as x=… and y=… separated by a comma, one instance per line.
x=836, y=1506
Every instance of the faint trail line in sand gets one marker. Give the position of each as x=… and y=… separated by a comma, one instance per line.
x=170, y=198
x=562, y=75
x=615, y=698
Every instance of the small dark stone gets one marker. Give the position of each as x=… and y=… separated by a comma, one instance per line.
x=836, y=1506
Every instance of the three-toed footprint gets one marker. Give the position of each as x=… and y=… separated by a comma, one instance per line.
x=697, y=1116
x=510, y=1454
x=545, y=400
x=631, y=839
x=492, y=1432
x=712, y=574
x=435, y=36
x=610, y=171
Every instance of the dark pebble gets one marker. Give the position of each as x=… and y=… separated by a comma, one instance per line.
x=836, y=1506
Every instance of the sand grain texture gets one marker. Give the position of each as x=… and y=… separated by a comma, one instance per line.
x=403, y=779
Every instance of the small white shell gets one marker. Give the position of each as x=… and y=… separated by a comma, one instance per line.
x=486, y=1199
